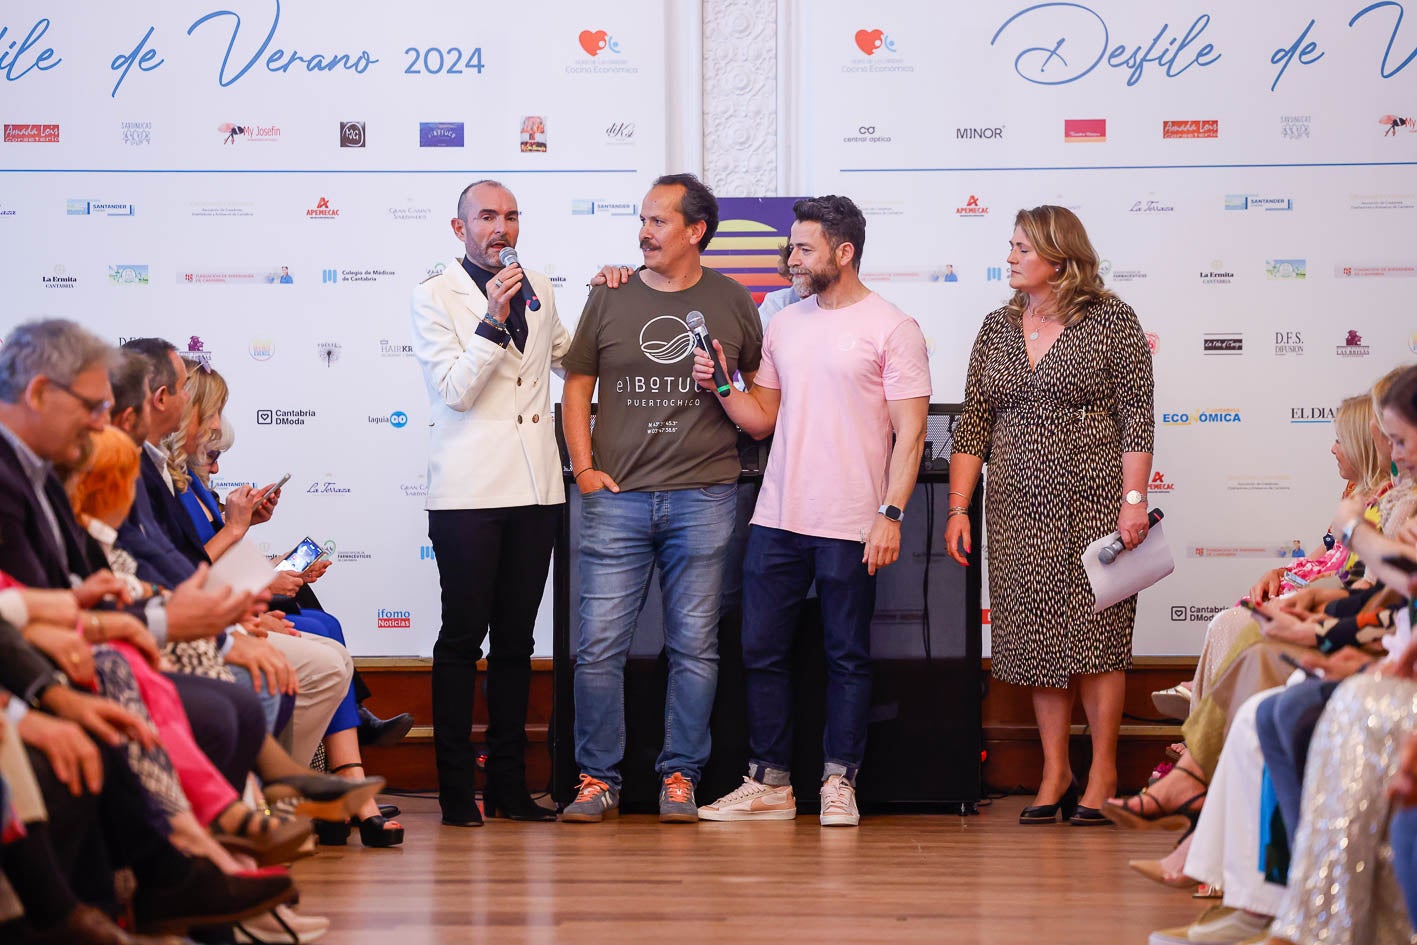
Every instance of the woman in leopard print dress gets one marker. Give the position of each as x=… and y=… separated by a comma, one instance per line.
x=1059, y=403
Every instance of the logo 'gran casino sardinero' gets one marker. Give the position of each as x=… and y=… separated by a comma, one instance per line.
x=666, y=339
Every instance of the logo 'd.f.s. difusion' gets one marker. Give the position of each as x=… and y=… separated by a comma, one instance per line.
x=666, y=339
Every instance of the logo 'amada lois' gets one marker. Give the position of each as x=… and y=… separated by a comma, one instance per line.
x=872, y=41
x=32, y=134
x=594, y=42
x=1208, y=128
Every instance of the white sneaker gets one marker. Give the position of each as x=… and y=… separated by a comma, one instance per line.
x=839, y=803
x=753, y=800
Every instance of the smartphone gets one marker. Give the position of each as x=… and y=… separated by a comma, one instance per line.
x=1300, y=666
x=1295, y=579
x=304, y=554
x=1403, y=563
x=276, y=488
x=1254, y=608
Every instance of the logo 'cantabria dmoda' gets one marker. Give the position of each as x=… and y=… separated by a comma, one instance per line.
x=666, y=339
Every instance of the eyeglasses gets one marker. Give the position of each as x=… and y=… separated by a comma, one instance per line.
x=96, y=408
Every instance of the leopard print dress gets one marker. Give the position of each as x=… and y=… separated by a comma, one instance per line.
x=1053, y=439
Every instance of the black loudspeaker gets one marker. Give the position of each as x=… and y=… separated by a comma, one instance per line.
x=924, y=735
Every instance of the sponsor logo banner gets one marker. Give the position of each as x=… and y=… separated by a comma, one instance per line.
x=136, y=134
x=1352, y=346
x=1376, y=271
x=1288, y=343
x=31, y=134
x=75, y=207
x=440, y=134
x=1257, y=202
x=1223, y=343
x=127, y=274
x=351, y=134
x=1209, y=128
x=1085, y=130
x=1286, y=268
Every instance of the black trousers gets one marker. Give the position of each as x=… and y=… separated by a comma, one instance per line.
x=492, y=565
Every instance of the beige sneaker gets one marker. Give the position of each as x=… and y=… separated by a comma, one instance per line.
x=839, y=803
x=753, y=800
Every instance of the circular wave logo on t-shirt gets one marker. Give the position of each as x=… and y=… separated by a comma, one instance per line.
x=666, y=339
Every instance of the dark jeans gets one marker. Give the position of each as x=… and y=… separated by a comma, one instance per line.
x=492, y=565
x=778, y=567
x=1404, y=856
x=228, y=723
x=1285, y=723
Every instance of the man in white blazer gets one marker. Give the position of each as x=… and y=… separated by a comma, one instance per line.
x=494, y=494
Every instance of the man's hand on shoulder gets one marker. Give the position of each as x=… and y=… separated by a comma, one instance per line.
x=612, y=276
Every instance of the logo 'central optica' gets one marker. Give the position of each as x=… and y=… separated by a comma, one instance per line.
x=666, y=339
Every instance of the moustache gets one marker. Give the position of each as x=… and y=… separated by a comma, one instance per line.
x=648, y=244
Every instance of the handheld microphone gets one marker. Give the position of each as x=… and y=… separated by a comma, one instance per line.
x=1109, y=553
x=695, y=321
x=508, y=257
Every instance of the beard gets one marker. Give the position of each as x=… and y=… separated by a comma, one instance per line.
x=816, y=281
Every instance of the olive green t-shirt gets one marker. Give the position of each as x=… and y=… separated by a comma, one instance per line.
x=654, y=428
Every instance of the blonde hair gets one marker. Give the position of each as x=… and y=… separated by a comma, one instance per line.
x=1352, y=427
x=207, y=392
x=1058, y=236
x=108, y=481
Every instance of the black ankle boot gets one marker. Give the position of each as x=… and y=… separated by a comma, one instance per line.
x=509, y=799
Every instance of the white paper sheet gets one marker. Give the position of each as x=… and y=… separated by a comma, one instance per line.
x=1132, y=571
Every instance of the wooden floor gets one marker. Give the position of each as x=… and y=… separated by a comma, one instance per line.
x=896, y=879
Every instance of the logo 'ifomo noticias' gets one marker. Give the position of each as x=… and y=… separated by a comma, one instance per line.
x=387, y=619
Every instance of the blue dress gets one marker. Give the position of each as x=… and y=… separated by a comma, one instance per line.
x=199, y=500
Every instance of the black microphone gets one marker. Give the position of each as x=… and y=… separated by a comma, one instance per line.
x=1109, y=553
x=695, y=322
x=508, y=257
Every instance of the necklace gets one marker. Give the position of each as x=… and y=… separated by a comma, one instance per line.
x=1033, y=335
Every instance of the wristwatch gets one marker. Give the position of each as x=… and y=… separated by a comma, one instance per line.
x=1346, y=536
x=1135, y=498
x=892, y=513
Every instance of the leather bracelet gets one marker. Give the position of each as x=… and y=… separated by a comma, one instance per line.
x=578, y=475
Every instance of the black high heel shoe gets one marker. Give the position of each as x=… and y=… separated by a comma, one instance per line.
x=1048, y=813
x=373, y=832
x=513, y=804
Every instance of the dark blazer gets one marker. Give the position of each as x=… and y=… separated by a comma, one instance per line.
x=159, y=562
x=27, y=550
x=172, y=515
x=22, y=667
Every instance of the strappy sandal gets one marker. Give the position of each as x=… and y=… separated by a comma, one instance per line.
x=1182, y=818
x=373, y=831
x=265, y=838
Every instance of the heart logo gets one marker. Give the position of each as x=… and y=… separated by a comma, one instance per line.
x=593, y=42
x=868, y=41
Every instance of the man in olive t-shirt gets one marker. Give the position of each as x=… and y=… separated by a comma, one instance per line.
x=658, y=482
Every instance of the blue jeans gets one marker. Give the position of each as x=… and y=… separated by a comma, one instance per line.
x=623, y=537
x=778, y=567
x=1285, y=724
x=1404, y=856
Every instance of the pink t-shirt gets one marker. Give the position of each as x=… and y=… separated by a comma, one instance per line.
x=836, y=368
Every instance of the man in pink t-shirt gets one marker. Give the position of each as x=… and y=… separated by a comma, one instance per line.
x=841, y=372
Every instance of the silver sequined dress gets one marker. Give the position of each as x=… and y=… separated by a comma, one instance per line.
x=1342, y=889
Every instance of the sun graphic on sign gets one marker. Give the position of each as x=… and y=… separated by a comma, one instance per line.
x=749, y=236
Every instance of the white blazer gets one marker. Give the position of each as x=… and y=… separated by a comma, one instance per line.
x=492, y=438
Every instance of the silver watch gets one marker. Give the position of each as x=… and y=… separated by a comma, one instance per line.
x=1135, y=498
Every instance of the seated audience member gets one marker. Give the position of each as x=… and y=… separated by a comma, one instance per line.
x=1364, y=461
x=777, y=300
x=201, y=421
x=101, y=495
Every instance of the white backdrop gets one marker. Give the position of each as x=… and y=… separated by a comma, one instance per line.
x=1272, y=223
x=942, y=120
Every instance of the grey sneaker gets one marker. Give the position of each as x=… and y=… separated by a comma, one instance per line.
x=594, y=802
x=676, y=801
